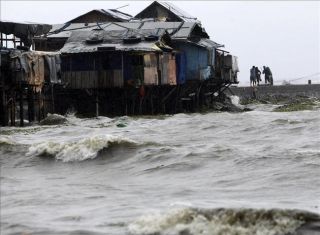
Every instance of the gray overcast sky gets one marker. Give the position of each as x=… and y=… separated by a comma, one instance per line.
x=283, y=35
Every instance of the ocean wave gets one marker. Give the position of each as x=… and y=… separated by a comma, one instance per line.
x=222, y=221
x=5, y=141
x=83, y=149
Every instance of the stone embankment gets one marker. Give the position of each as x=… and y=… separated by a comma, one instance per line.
x=262, y=92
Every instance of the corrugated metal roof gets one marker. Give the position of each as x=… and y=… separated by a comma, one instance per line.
x=171, y=27
x=117, y=15
x=178, y=12
x=185, y=30
x=209, y=43
x=77, y=41
x=179, y=29
x=120, y=26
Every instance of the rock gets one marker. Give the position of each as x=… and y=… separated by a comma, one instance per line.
x=121, y=125
x=53, y=119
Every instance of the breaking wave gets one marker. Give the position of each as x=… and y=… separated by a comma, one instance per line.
x=83, y=149
x=222, y=221
x=4, y=141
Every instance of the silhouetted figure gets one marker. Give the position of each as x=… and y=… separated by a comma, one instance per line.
x=258, y=75
x=253, y=77
x=267, y=75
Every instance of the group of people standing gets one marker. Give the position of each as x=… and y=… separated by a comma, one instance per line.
x=255, y=76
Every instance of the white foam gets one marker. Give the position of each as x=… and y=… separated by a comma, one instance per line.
x=83, y=149
x=223, y=221
x=235, y=100
x=6, y=141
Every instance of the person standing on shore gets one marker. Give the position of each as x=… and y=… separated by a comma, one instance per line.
x=253, y=77
x=258, y=75
x=267, y=75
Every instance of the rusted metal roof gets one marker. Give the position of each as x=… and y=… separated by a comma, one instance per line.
x=175, y=29
x=77, y=42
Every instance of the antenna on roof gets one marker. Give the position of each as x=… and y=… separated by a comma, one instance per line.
x=121, y=7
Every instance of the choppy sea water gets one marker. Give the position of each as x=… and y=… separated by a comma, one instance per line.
x=255, y=172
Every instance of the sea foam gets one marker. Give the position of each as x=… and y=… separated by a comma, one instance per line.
x=83, y=149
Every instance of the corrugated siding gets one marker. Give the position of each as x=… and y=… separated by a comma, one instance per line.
x=172, y=78
x=150, y=69
x=93, y=79
x=168, y=69
x=196, y=59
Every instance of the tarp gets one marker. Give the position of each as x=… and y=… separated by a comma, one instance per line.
x=24, y=31
x=30, y=66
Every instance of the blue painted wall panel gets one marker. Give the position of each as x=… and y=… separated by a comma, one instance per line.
x=181, y=65
x=196, y=59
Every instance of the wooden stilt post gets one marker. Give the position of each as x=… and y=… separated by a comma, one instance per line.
x=126, y=95
x=4, y=108
x=177, y=98
x=11, y=113
x=39, y=106
x=133, y=103
x=52, y=98
x=151, y=100
x=21, y=106
x=30, y=104
x=14, y=41
x=97, y=103
x=13, y=108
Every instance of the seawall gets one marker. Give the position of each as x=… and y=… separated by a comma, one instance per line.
x=283, y=90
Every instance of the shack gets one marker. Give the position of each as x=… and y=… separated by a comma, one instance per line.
x=27, y=77
x=114, y=58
